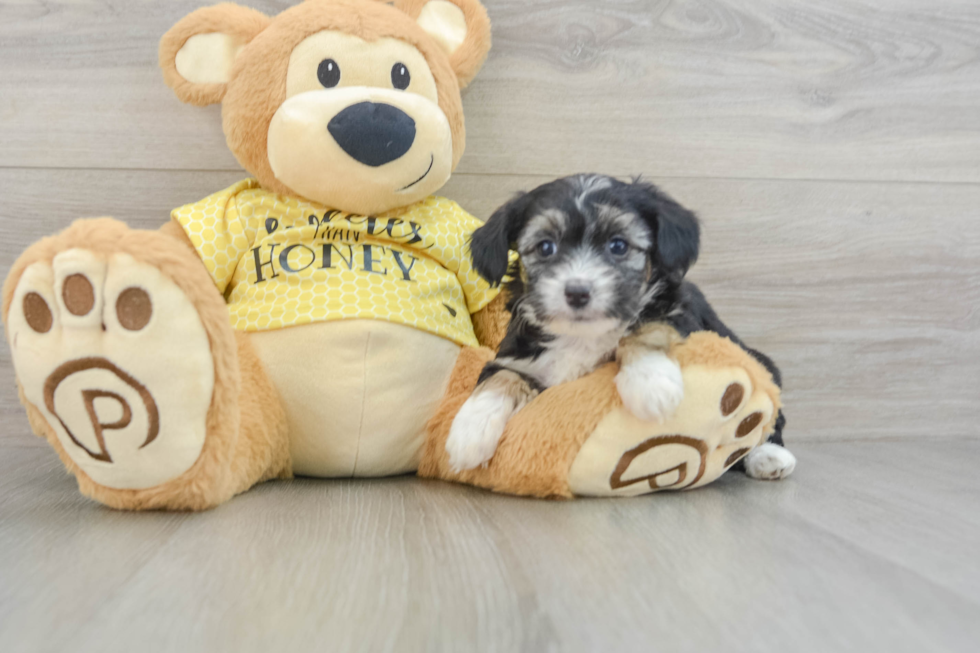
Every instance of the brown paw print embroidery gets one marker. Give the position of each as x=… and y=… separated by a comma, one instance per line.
x=680, y=461
x=133, y=310
x=89, y=396
x=116, y=359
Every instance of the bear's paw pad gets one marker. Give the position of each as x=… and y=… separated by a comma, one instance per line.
x=721, y=420
x=117, y=361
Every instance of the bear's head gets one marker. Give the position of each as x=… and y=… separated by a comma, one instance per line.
x=354, y=104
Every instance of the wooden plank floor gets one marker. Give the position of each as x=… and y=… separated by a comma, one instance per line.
x=832, y=150
x=871, y=546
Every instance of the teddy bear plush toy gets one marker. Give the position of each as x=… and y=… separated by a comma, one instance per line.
x=322, y=318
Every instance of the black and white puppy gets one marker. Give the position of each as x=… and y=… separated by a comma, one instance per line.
x=600, y=277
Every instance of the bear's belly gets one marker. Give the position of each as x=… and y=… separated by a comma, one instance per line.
x=357, y=393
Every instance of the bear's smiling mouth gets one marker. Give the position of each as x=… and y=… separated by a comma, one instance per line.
x=432, y=161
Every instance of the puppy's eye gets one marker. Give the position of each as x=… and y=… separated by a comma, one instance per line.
x=328, y=73
x=547, y=248
x=400, y=78
x=618, y=247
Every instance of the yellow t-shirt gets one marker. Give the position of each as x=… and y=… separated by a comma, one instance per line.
x=281, y=261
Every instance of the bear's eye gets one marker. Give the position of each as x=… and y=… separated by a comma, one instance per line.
x=400, y=78
x=328, y=73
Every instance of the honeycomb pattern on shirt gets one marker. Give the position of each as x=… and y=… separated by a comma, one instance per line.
x=281, y=261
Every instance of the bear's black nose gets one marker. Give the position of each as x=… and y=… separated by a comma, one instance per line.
x=374, y=134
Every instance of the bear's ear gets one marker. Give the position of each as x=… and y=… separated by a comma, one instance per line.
x=197, y=53
x=460, y=27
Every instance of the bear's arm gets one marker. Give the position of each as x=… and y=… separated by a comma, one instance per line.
x=174, y=230
x=490, y=322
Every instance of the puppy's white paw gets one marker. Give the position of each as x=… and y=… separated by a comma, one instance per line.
x=477, y=428
x=770, y=462
x=651, y=387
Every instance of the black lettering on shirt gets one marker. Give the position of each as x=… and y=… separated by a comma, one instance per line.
x=369, y=260
x=259, y=264
x=284, y=258
x=406, y=271
x=327, y=257
x=416, y=233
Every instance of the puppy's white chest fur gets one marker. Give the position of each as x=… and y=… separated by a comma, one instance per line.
x=569, y=357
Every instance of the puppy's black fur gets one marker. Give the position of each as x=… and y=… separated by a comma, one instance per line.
x=674, y=237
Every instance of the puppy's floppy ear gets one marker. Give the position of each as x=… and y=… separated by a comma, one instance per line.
x=491, y=243
x=678, y=234
x=197, y=53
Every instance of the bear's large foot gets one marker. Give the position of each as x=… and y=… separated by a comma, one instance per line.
x=578, y=438
x=722, y=419
x=128, y=365
x=117, y=361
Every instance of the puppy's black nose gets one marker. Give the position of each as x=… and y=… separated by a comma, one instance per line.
x=577, y=296
x=372, y=133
